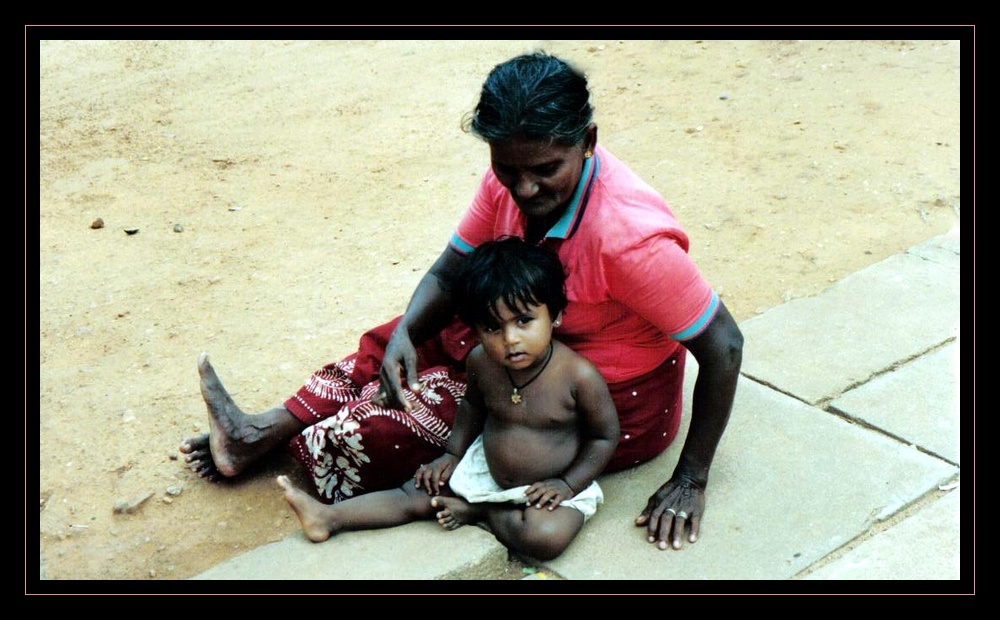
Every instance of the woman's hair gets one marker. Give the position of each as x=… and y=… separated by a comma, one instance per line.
x=535, y=96
x=512, y=271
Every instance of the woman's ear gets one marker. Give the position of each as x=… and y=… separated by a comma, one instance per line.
x=590, y=139
x=558, y=320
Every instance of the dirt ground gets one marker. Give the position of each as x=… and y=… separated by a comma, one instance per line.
x=289, y=194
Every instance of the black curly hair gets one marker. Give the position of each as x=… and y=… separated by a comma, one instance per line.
x=509, y=270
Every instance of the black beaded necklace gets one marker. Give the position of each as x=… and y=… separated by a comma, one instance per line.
x=517, y=398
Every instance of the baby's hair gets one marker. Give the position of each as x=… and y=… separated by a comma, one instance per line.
x=512, y=271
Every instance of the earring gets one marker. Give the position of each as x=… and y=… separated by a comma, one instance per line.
x=588, y=154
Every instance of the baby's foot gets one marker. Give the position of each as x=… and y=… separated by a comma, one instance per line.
x=454, y=512
x=309, y=510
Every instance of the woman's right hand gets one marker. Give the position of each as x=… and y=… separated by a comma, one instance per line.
x=427, y=313
x=400, y=360
x=435, y=474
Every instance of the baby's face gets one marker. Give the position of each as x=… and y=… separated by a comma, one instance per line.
x=519, y=339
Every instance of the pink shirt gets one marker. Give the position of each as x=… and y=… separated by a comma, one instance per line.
x=634, y=293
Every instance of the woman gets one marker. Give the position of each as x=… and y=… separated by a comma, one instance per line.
x=637, y=302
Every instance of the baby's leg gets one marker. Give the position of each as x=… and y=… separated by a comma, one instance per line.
x=364, y=512
x=542, y=534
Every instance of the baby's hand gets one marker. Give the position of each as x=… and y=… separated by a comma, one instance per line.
x=548, y=493
x=435, y=474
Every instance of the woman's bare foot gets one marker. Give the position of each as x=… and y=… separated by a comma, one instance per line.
x=455, y=512
x=235, y=439
x=309, y=510
x=198, y=456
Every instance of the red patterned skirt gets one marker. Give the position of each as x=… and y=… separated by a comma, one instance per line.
x=351, y=446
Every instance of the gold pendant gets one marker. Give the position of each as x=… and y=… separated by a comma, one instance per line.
x=515, y=397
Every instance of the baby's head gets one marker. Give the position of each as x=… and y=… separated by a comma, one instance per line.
x=512, y=272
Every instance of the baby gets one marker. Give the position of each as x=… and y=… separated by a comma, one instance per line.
x=536, y=426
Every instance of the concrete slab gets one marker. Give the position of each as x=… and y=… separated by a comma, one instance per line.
x=416, y=551
x=790, y=485
x=928, y=416
x=923, y=546
x=941, y=249
x=818, y=347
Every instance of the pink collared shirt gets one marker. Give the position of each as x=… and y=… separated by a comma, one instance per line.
x=634, y=293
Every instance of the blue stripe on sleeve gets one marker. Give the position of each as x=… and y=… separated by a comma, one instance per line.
x=460, y=246
x=698, y=326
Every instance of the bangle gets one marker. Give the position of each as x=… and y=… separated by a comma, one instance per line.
x=568, y=485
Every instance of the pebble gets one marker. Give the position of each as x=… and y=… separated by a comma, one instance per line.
x=174, y=489
x=178, y=228
x=122, y=506
x=98, y=223
x=131, y=231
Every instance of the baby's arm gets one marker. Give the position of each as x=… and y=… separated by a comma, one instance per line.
x=598, y=427
x=469, y=420
x=471, y=415
x=599, y=438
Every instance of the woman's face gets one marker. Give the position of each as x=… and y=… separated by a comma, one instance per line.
x=541, y=176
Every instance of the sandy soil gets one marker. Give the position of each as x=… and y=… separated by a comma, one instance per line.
x=289, y=194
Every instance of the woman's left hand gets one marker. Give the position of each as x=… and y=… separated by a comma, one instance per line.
x=675, y=505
